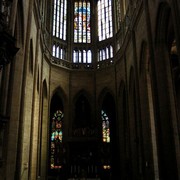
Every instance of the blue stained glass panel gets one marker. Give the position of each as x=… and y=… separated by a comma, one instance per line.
x=56, y=140
x=82, y=28
x=105, y=127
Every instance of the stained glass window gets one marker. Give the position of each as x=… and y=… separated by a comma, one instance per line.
x=59, y=19
x=56, y=140
x=104, y=19
x=105, y=127
x=82, y=28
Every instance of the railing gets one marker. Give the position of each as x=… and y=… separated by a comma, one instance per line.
x=121, y=37
x=82, y=66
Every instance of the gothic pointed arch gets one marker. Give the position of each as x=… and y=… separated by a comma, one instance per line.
x=84, y=93
x=108, y=124
x=60, y=92
x=107, y=112
x=82, y=104
x=162, y=22
x=57, y=158
x=43, y=132
x=83, y=150
x=166, y=121
x=103, y=93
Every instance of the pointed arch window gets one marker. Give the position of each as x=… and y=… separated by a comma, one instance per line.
x=105, y=127
x=105, y=28
x=54, y=50
x=56, y=140
x=82, y=30
x=59, y=51
x=89, y=56
x=105, y=53
x=59, y=19
x=82, y=56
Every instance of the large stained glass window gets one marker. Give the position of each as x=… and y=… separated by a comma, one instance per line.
x=105, y=127
x=59, y=19
x=82, y=28
x=56, y=140
x=105, y=29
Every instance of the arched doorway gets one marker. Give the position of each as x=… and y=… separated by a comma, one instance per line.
x=109, y=163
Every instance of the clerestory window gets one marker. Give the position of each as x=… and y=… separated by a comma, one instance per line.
x=60, y=19
x=105, y=53
x=56, y=148
x=59, y=52
x=105, y=27
x=80, y=48
x=82, y=28
x=82, y=56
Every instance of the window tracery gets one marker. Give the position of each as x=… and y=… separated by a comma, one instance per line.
x=105, y=53
x=60, y=19
x=56, y=159
x=105, y=26
x=82, y=27
x=82, y=56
